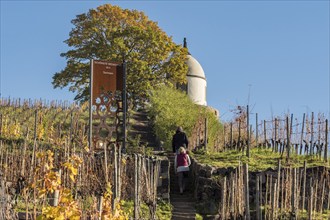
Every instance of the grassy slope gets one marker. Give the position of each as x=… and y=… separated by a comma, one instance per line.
x=260, y=159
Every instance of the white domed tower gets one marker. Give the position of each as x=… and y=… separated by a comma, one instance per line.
x=196, y=81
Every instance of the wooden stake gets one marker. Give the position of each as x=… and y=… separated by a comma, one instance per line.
x=136, y=211
x=247, y=195
x=285, y=189
x=34, y=143
x=100, y=205
x=266, y=196
x=328, y=206
x=119, y=172
x=24, y=152
x=293, y=195
x=0, y=124
x=248, y=131
x=304, y=186
x=106, y=163
x=224, y=137
x=312, y=135
x=231, y=135
x=315, y=195
x=239, y=200
x=326, y=141
x=275, y=138
x=257, y=134
x=322, y=197
x=223, y=211
x=273, y=202
x=310, y=207
x=265, y=134
x=278, y=182
x=239, y=135
x=287, y=139
x=257, y=198
x=232, y=196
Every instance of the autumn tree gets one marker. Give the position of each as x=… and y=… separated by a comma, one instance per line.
x=112, y=33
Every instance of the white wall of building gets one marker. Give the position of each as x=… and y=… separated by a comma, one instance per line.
x=196, y=82
x=197, y=90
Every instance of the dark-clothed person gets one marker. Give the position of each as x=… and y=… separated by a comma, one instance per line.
x=179, y=139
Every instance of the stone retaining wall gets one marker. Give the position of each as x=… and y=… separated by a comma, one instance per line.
x=208, y=191
x=163, y=188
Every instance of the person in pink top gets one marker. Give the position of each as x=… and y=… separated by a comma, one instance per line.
x=181, y=164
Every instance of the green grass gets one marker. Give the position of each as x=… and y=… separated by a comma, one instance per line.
x=198, y=217
x=163, y=211
x=260, y=159
x=303, y=214
x=128, y=208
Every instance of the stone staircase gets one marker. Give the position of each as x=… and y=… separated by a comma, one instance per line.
x=140, y=126
x=183, y=205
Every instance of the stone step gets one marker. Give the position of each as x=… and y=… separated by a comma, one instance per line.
x=142, y=127
x=182, y=216
x=191, y=215
x=185, y=210
x=183, y=205
x=182, y=208
x=182, y=197
x=178, y=201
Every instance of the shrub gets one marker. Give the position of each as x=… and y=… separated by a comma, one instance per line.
x=170, y=108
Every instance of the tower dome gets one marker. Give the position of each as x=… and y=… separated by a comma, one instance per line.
x=194, y=68
x=196, y=81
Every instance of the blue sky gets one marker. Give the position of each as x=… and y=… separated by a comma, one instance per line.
x=272, y=55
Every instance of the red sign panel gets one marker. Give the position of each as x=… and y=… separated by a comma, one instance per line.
x=106, y=76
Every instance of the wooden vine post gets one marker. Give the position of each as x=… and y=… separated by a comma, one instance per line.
x=326, y=141
x=136, y=200
x=312, y=135
x=24, y=152
x=224, y=137
x=302, y=133
x=0, y=124
x=115, y=174
x=261, y=197
x=291, y=121
x=275, y=136
x=223, y=210
x=257, y=198
x=231, y=134
x=293, y=194
x=265, y=133
x=119, y=172
x=106, y=162
x=304, y=186
x=247, y=132
x=57, y=192
x=34, y=143
x=257, y=129
x=246, y=189
x=310, y=204
x=273, y=200
x=239, y=134
x=278, y=181
x=287, y=139
x=100, y=205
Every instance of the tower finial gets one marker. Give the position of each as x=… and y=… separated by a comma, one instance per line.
x=185, y=44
